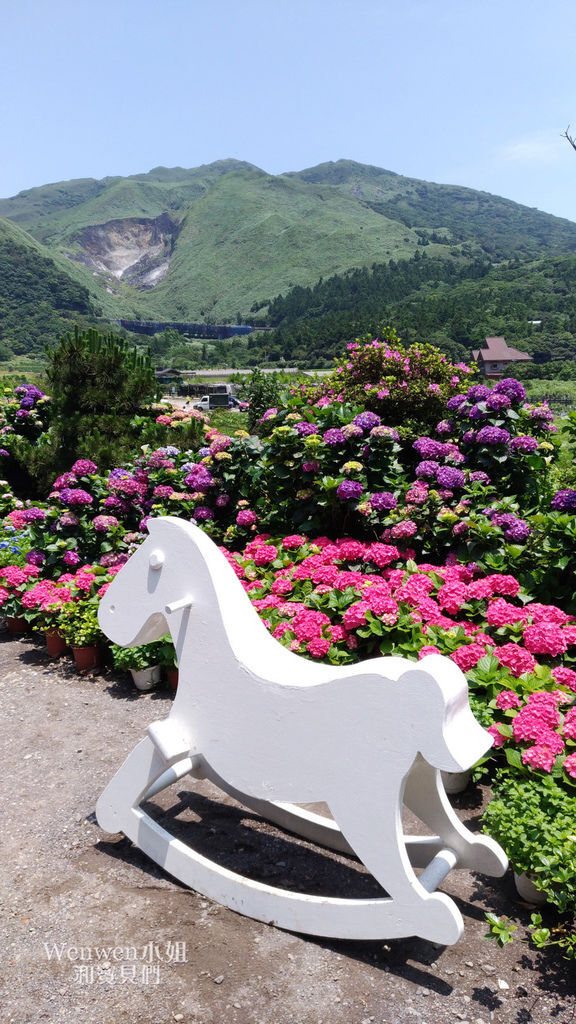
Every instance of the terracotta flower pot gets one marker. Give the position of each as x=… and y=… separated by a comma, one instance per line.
x=172, y=678
x=55, y=643
x=146, y=678
x=87, y=657
x=17, y=625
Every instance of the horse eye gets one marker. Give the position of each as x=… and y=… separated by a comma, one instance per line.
x=156, y=560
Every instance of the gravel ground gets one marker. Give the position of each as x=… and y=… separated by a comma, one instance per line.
x=78, y=906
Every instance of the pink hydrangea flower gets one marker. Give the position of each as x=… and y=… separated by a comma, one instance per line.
x=507, y=699
x=539, y=757
x=515, y=659
x=545, y=638
x=468, y=656
x=565, y=677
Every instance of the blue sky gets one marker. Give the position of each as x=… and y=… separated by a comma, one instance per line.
x=471, y=92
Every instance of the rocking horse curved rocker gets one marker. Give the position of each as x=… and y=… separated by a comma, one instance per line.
x=273, y=730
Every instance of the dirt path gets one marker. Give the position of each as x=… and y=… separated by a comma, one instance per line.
x=92, y=931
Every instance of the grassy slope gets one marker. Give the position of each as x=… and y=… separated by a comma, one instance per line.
x=253, y=235
x=500, y=225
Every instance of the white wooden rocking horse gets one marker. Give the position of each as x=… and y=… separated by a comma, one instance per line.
x=271, y=729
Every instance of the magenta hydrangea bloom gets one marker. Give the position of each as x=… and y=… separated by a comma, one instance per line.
x=83, y=467
x=71, y=558
x=246, y=517
x=104, y=523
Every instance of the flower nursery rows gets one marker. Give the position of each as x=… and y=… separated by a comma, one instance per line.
x=400, y=508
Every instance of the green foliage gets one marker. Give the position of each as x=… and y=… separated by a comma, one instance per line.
x=534, y=820
x=141, y=656
x=262, y=391
x=408, y=387
x=97, y=384
x=38, y=296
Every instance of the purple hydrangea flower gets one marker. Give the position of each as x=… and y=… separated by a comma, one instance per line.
x=524, y=443
x=367, y=420
x=428, y=468
x=305, y=429
x=387, y=433
x=454, y=403
x=383, y=500
x=75, y=496
x=492, y=436
x=35, y=557
x=170, y=449
x=428, y=448
x=27, y=403
x=349, y=490
x=515, y=529
x=203, y=514
x=564, y=501
x=199, y=479
x=450, y=478
x=478, y=393
x=479, y=476
x=71, y=558
x=66, y=480
x=202, y=452
x=512, y=388
x=334, y=437
x=469, y=437
x=33, y=515
x=444, y=427
x=496, y=402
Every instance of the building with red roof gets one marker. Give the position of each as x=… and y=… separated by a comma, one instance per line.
x=496, y=357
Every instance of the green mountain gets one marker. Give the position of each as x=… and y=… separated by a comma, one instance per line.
x=220, y=241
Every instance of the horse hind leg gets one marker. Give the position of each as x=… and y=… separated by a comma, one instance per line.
x=425, y=796
x=372, y=825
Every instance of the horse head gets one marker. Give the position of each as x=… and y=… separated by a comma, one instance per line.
x=449, y=737
x=134, y=608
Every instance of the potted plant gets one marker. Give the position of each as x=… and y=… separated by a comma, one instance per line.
x=533, y=818
x=167, y=659
x=78, y=624
x=142, y=662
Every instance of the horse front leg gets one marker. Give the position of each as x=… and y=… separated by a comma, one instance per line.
x=372, y=824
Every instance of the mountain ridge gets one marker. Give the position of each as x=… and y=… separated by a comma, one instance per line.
x=220, y=241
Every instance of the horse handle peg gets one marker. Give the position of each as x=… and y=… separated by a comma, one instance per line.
x=176, y=606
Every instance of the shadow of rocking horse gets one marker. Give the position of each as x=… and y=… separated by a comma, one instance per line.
x=273, y=729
